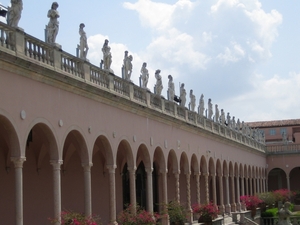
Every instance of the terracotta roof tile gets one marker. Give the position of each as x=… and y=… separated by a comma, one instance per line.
x=274, y=123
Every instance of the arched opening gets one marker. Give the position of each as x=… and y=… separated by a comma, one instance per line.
x=126, y=186
x=140, y=184
x=276, y=179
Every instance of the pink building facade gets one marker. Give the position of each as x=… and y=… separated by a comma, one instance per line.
x=76, y=137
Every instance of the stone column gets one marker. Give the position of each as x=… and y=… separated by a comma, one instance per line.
x=247, y=185
x=251, y=186
x=188, y=197
x=261, y=185
x=197, y=175
x=221, y=194
x=238, y=205
x=233, y=205
x=87, y=188
x=56, y=189
x=258, y=185
x=213, y=177
x=165, y=218
x=18, y=162
x=254, y=180
x=149, y=190
x=132, y=188
x=206, y=188
x=177, y=188
x=243, y=191
x=266, y=183
x=288, y=183
x=112, y=194
x=227, y=207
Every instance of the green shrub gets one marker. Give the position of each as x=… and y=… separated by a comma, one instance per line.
x=267, y=214
x=274, y=212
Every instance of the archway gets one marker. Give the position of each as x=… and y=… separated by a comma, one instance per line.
x=276, y=179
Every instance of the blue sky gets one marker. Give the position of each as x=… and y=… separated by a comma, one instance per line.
x=243, y=54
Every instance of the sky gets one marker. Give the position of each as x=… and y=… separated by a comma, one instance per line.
x=242, y=54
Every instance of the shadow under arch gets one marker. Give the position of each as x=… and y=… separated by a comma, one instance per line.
x=277, y=179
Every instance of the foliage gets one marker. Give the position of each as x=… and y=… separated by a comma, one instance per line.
x=250, y=201
x=274, y=211
x=207, y=212
x=283, y=195
x=75, y=218
x=141, y=217
x=267, y=197
x=176, y=212
x=267, y=214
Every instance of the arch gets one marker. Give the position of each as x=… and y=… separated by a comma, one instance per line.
x=9, y=137
x=294, y=178
x=277, y=179
x=9, y=148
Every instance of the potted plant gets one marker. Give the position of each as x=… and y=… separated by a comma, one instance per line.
x=140, y=217
x=75, y=218
x=251, y=202
x=207, y=212
x=176, y=212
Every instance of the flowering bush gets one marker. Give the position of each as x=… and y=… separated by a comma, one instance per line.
x=267, y=197
x=142, y=217
x=283, y=195
x=250, y=201
x=177, y=213
x=207, y=211
x=74, y=218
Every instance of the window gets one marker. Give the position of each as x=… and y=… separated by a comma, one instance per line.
x=272, y=131
x=283, y=130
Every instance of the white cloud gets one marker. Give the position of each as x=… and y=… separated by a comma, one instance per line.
x=233, y=54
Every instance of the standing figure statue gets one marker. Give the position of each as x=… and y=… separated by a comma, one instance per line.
x=53, y=25
x=144, y=75
x=171, y=89
x=127, y=65
x=210, y=110
x=192, y=101
x=228, y=120
x=83, y=47
x=217, y=114
x=14, y=13
x=182, y=95
x=158, y=85
x=201, y=105
x=238, y=125
x=107, y=58
x=233, y=123
x=284, y=214
x=223, y=119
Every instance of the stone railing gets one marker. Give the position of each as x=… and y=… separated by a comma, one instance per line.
x=20, y=44
x=283, y=148
x=295, y=220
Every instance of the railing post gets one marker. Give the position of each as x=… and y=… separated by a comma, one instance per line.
x=20, y=41
x=111, y=82
x=131, y=91
x=148, y=96
x=163, y=104
x=87, y=71
x=57, y=57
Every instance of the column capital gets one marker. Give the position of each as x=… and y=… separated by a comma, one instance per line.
x=162, y=171
x=87, y=166
x=149, y=170
x=131, y=169
x=18, y=161
x=176, y=172
x=56, y=163
x=111, y=168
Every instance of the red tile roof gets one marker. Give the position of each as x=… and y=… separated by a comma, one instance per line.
x=274, y=123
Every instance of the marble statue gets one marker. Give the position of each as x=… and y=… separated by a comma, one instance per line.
x=192, y=101
x=284, y=137
x=201, y=105
x=83, y=46
x=233, y=123
x=107, y=58
x=53, y=25
x=217, y=114
x=182, y=95
x=210, y=109
x=171, y=89
x=238, y=125
x=243, y=128
x=284, y=214
x=14, y=13
x=158, y=85
x=223, y=120
x=228, y=120
x=144, y=75
x=127, y=63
